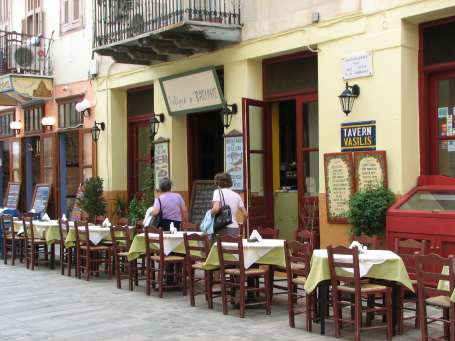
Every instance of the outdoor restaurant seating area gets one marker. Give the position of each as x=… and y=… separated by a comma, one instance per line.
x=360, y=286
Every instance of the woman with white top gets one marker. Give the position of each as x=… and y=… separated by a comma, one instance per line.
x=230, y=198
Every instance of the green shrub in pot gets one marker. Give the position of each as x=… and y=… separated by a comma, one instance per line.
x=367, y=210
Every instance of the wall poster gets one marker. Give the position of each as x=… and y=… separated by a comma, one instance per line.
x=339, y=183
x=161, y=160
x=233, y=144
x=370, y=169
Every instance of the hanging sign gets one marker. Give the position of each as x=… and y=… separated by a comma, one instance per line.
x=370, y=169
x=191, y=92
x=357, y=66
x=12, y=195
x=358, y=136
x=41, y=197
x=161, y=160
x=233, y=144
x=339, y=185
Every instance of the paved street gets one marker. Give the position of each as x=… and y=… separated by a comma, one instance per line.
x=43, y=305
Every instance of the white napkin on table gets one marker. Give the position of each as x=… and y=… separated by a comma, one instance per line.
x=172, y=228
x=362, y=248
x=32, y=210
x=106, y=223
x=45, y=217
x=64, y=217
x=255, y=235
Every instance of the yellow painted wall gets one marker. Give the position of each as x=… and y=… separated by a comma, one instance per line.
x=390, y=96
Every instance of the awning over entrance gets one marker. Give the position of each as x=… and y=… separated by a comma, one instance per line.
x=22, y=89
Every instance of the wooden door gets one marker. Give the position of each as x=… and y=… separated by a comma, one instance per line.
x=139, y=153
x=49, y=169
x=307, y=132
x=258, y=163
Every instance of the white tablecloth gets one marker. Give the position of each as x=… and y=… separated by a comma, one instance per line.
x=366, y=259
x=170, y=240
x=252, y=252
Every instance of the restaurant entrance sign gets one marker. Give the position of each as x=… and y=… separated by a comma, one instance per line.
x=192, y=92
x=358, y=136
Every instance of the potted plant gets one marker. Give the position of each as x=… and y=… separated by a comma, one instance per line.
x=93, y=202
x=367, y=211
x=120, y=207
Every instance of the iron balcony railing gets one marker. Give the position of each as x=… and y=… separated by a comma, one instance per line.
x=117, y=20
x=25, y=54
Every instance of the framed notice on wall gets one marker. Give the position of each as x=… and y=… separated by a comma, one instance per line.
x=41, y=197
x=161, y=160
x=12, y=195
x=339, y=184
x=370, y=169
x=233, y=153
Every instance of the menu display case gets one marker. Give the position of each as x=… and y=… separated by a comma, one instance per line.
x=427, y=212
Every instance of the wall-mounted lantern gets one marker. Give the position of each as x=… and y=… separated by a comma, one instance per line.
x=348, y=97
x=155, y=124
x=227, y=112
x=48, y=122
x=96, y=129
x=16, y=127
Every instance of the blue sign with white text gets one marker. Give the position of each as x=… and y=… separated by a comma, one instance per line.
x=358, y=136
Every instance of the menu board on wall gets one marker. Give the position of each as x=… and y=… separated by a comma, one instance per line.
x=12, y=195
x=161, y=160
x=233, y=144
x=370, y=169
x=339, y=183
x=201, y=199
x=41, y=197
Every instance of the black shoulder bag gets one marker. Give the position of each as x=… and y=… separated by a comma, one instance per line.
x=224, y=216
x=156, y=220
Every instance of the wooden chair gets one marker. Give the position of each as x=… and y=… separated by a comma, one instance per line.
x=89, y=257
x=11, y=241
x=268, y=232
x=168, y=266
x=34, y=247
x=99, y=219
x=347, y=284
x=234, y=275
x=122, y=221
x=372, y=242
x=66, y=253
x=298, y=256
x=429, y=275
x=189, y=227
x=121, y=243
x=197, y=249
x=307, y=236
x=406, y=248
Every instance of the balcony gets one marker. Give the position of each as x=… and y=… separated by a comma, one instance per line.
x=25, y=68
x=154, y=31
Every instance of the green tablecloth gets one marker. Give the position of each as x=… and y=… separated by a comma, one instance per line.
x=138, y=248
x=50, y=233
x=391, y=270
x=273, y=257
x=444, y=285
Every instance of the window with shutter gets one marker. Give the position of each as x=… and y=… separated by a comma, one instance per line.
x=33, y=23
x=71, y=15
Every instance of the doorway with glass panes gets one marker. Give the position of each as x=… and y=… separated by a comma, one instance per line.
x=282, y=146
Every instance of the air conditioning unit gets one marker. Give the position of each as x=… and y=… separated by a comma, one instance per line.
x=24, y=58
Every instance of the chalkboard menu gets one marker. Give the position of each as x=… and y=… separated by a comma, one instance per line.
x=12, y=195
x=339, y=185
x=41, y=197
x=201, y=199
x=370, y=169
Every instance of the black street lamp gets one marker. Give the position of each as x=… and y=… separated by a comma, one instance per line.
x=96, y=129
x=155, y=124
x=348, y=97
x=226, y=114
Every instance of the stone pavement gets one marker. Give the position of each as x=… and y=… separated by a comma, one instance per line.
x=43, y=305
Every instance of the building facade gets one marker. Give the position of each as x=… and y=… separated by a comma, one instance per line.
x=285, y=73
x=46, y=59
